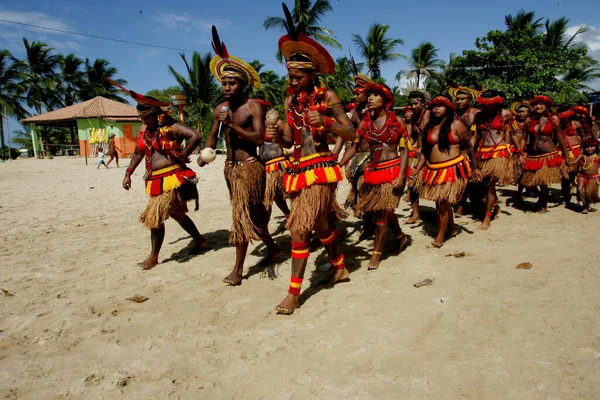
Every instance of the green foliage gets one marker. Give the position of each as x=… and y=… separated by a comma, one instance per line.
x=376, y=48
x=5, y=151
x=341, y=80
x=164, y=94
x=523, y=62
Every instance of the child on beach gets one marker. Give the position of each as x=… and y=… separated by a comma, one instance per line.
x=101, y=158
x=587, y=173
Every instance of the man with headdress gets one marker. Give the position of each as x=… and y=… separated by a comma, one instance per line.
x=241, y=121
x=169, y=182
x=354, y=169
x=463, y=97
x=311, y=180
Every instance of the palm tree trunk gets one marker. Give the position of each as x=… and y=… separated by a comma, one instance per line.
x=418, y=78
x=2, y=136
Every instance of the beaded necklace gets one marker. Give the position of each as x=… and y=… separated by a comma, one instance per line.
x=389, y=133
x=299, y=106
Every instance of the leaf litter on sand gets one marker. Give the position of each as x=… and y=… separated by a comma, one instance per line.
x=7, y=293
x=138, y=298
x=424, y=282
x=524, y=265
x=458, y=254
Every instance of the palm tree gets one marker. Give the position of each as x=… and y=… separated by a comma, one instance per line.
x=272, y=88
x=341, y=80
x=375, y=48
x=308, y=14
x=556, y=33
x=438, y=84
x=41, y=79
x=582, y=73
x=96, y=83
x=523, y=21
x=11, y=89
x=72, y=77
x=200, y=88
x=423, y=62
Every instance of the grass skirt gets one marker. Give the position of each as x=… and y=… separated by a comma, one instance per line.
x=246, y=184
x=311, y=204
x=543, y=169
x=275, y=170
x=587, y=188
x=573, y=154
x=496, y=162
x=354, y=173
x=445, y=180
x=160, y=207
x=373, y=198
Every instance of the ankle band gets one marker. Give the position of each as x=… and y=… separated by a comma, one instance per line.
x=295, y=286
x=300, y=250
x=339, y=263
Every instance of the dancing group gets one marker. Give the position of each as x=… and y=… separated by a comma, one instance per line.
x=437, y=151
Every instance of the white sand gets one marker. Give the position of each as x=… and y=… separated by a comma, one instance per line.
x=70, y=241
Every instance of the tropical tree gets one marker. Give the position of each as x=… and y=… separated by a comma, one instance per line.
x=72, y=78
x=164, y=94
x=308, y=14
x=438, y=84
x=22, y=138
x=523, y=62
x=11, y=89
x=341, y=79
x=376, y=48
x=200, y=88
x=556, y=33
x=423, y=62
x=41, y=79
x=96, y=83
x=523, y=22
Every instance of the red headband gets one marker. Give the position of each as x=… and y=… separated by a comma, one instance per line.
x=490, y=101
x=383, y=91
x=542, y=99
x=566, y=114
x=590, y=142
x=441, y=100
x=580, y=109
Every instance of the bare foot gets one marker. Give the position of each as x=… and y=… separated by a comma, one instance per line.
x=484, y=225
x=374, y=263
x=543, y=210
x=200, y=243
x=148, y=263
x=288, y=305
x=437, y=244
x=453, y=233
x=234, y=278
x=340, y=275
x=403, y=241
x=413, y=220
x=273, y=254
x=459, y=212
x=586, y=211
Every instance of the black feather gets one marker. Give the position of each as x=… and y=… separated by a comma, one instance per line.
x=353, y=64
x=291, y=25
x=216, y=42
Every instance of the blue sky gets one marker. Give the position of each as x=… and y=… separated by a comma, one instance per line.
x=451, y=26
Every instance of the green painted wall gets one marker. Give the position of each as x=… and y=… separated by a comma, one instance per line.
x=84, y=127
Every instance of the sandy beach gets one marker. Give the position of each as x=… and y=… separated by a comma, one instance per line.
x=70, y=241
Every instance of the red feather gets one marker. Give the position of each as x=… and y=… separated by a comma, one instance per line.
x=225, y=52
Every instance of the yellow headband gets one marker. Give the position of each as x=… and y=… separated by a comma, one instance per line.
x=300, y=64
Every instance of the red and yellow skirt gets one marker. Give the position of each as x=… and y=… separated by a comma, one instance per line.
x=445, y=181
x=543, y=169
x=319, y=168
x=377, y=193
x=169, y=189
x=496, y=162
x=311, y=184
x=168, y=179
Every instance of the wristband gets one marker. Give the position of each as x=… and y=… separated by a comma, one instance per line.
x=129, y=170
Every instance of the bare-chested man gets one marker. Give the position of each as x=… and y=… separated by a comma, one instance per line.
x=241, y=122
x=311, y=180
x=520, y=111
x=169, y=182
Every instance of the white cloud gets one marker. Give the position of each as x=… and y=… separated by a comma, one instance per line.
x=591, y=38
x=12, y=34
x=188, y=23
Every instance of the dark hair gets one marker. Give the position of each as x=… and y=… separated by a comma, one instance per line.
x=465, y=93
x=443, y=137
x=415, y=94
